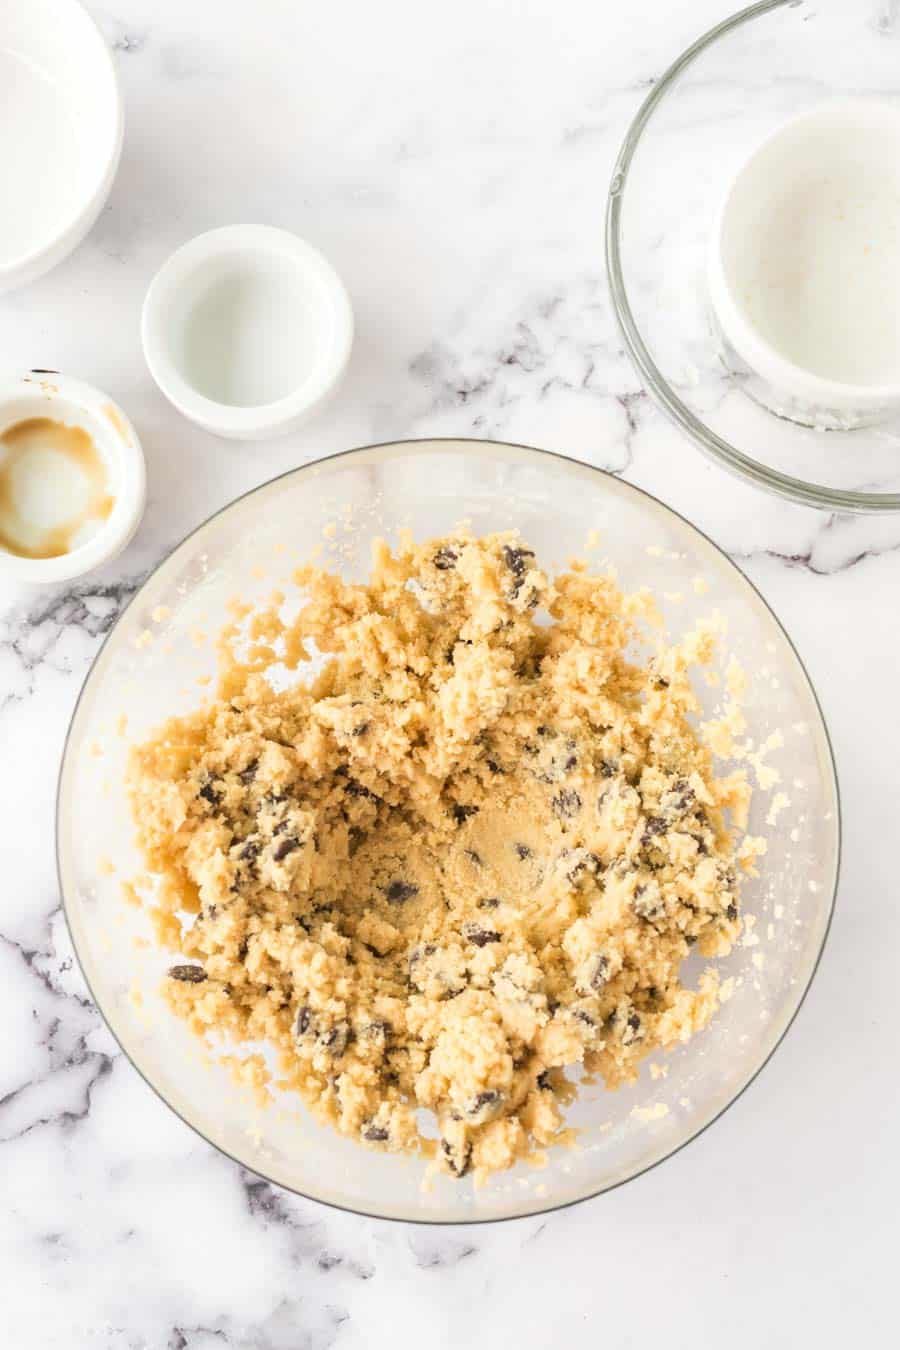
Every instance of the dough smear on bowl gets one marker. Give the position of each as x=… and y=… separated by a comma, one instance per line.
x=472, y=853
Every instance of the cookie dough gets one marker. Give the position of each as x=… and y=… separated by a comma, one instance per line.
x=470, y=854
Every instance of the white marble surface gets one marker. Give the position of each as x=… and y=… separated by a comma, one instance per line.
x=453, y=163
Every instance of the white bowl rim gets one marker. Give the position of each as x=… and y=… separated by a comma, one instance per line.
x=415, y=446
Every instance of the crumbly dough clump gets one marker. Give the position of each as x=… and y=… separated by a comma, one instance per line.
x=474, y=851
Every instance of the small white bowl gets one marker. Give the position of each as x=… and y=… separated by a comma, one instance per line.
x=60, y=133
x=46, y=394
x=807, y=233
x=246, y=329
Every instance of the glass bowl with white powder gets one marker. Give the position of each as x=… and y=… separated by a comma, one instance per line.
x=753, y=250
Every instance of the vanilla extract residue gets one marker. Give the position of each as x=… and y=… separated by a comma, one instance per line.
x=54, y=488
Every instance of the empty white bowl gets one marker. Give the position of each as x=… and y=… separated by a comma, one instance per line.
x=40, y=394
x=60, y=133
x=246, y=329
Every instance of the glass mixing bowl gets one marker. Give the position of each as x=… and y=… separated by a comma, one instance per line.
x=149, y=669
x=697, y=126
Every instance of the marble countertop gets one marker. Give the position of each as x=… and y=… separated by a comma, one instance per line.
x=453, y=164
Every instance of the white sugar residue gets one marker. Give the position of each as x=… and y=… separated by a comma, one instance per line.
x=777, y=805
x=646, y=1113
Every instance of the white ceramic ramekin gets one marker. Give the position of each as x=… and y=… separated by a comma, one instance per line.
x=768, y=177
x=246, y=329
x=60, y=133
x=47, y=394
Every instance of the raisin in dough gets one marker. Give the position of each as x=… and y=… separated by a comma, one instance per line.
x=473, y=853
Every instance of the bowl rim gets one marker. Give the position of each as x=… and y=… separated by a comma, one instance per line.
x=73, y=228
x=410, y=447
x=716, y=447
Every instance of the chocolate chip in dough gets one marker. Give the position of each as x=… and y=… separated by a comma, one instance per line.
x=210, y=793
x=679, y=799
x=399, y=891
x=284, y=847
x=478, y=936
x=445, y=559
x=420, y=953
x=580, y=863
x=188, y=974
x=335, y=1040
x=566, y=804
x=515, y=559
x=593, y=974
x=457, y=1156
x=482, y=1105
x=655, y=826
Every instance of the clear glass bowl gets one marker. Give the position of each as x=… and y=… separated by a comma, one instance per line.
x=700, y=121
x=149, y=669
